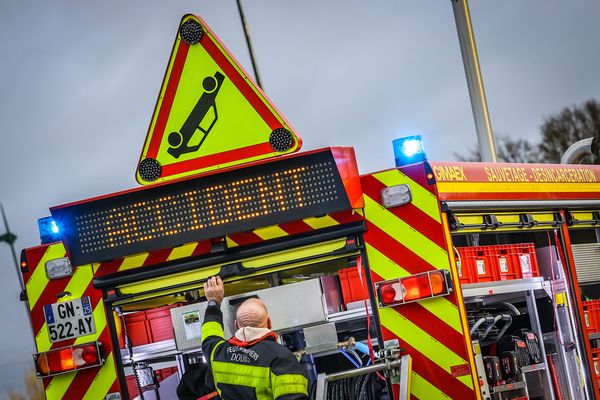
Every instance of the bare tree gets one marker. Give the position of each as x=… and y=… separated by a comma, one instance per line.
x=567, y=127
x=558, y=132
x=507, y=150
x=33, y=389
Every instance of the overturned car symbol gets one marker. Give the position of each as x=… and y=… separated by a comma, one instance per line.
x=179, y=141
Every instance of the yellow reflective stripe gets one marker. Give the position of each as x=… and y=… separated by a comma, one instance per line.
x=170, y=280
x=99, y=321
x=422, y=198
x=58, y=386
x=421, y=341
x=42, y=339
x=133, y=261
x=321, y=222
x=103, y=380
x=296, y=254
x=270, y=232
x=288, y=384
x=212, y=328
x=383, y=266
x=230, y=243
x=182, y=251
x=387, y=269
x=422, y=389
x=38, y=279
x=79, y=282
x=406, y=234
x=484, y=187
x=239, y=374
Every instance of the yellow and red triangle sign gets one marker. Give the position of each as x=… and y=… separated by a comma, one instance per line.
x=209, y=113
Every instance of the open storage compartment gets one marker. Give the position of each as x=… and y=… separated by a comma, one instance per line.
x=328, y=329
x=521, y=311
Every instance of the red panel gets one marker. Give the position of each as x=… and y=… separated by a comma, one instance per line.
x=345, y=160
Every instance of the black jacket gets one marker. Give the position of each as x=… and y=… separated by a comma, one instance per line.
x=261, y=370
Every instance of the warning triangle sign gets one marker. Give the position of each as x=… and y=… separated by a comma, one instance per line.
x=209, y=113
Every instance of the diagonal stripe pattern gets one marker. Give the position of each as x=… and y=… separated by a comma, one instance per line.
x=407, y=240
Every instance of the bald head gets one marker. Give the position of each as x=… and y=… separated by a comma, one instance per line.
x=253, y=313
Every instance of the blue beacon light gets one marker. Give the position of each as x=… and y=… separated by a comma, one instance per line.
x=49, y=231
x=409, y=150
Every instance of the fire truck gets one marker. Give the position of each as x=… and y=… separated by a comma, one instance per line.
x=429, y=280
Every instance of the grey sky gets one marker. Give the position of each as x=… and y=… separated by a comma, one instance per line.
x=79, y=80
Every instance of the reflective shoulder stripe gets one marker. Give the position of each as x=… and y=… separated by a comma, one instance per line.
x=212, y=328
x=242, y=375
x=289, y=384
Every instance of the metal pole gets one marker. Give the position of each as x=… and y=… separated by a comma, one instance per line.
x=468, y=49
x=249, y=43
x=386, y=365
x=10, y=238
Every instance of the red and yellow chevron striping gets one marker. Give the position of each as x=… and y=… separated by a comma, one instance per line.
x=200, y=248
x=93, y=383
x=407, y=240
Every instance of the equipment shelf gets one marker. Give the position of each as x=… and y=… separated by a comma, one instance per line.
x=507, y=387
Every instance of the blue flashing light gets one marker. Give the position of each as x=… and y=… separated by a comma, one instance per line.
x=49, y=231
x=409, y=150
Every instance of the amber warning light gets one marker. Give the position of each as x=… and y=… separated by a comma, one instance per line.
x=207, y=207
x=417, y=287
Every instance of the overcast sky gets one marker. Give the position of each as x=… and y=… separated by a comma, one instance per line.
x=79, y=80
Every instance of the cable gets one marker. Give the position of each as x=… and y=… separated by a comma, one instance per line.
x=356, y=356
x=350, y=358
x=511, y=307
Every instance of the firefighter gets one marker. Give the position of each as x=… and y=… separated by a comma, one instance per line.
x=250, y=365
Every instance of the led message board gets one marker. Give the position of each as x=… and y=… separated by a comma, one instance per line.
x=168, y=215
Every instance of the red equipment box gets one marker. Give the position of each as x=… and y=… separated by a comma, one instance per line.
x=352, y=289
x=596, y=357
x=151, y=326
x=591, y=315
x=475, y=265
x=497, y=262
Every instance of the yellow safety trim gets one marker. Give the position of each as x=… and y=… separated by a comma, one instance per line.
x=239, y=374
x=79, y=282
x=230, y=243
x=406, y=234
x=270, y=232
x=205, y=273
x=288, y=255
x=462, y=312
x=387, y=269
x=134, y=261
x=421, y=341
x=256, y=262
x=504, y=218
x=38, y=279
x=42, y=339
x=518, y=187
x=58, y=386
x=182, y=251
x=288, y=384
x=103, y=380
x=584, y=219
x=560, y=299
x=212, y=328
x=422, y=198
x=422, y=389
x=321, y=222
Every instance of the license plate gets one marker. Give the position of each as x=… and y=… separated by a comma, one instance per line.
x=69, y=319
